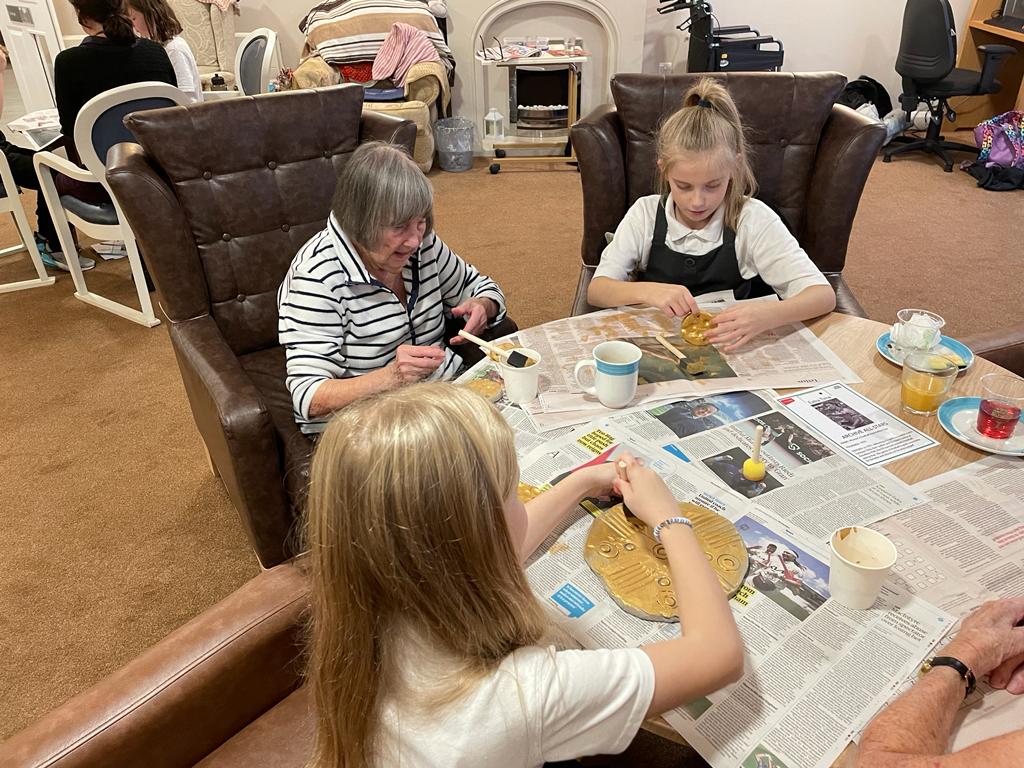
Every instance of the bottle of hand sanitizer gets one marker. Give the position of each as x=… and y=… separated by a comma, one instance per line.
x=494, y=125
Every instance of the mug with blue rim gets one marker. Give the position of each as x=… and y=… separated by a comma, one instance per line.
x=616, y=365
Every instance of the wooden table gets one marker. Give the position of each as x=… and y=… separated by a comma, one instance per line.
x=853, y=340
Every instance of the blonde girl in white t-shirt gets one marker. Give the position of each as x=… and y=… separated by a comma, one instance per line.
x=706, y=232
x=426, y=642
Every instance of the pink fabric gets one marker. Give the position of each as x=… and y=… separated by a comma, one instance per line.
x=404, y=46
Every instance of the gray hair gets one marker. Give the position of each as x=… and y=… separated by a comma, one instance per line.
x=380, y=187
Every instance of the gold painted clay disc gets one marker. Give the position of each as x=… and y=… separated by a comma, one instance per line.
x=634, y=567
x=527, y=492
x=694, y=327
x=486, y=388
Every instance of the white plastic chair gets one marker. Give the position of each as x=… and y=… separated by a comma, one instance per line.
x=11, y=203
x=254, y=61
x=99, y=127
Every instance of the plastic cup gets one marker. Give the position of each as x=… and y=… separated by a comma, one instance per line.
x=1002, y=401
x=926, y=382
x=521, y=383
x=861, y=561
x=917, y=329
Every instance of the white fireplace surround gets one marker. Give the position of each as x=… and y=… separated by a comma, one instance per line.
x=613, y=32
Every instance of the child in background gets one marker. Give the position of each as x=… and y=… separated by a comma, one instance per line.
x=155, y=20
x=706, y=232
x=427, y=642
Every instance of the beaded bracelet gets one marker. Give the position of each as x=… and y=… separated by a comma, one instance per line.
x=670, y=521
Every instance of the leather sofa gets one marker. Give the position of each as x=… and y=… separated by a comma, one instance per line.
x=221, y=196
x=223, y=690
x=1002, y=346
x=810, y=156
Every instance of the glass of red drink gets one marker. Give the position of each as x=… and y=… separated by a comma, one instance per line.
x=1002, y=397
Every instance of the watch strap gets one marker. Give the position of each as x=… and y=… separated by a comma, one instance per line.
x=950, y=661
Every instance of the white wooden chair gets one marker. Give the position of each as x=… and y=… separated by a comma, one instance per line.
x=98, y=128
x=11, y=203
x=254, y=61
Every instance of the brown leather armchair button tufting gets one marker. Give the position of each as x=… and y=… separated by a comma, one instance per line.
x=810, y=156
x=218, y=229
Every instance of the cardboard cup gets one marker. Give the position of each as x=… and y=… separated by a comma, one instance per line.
x=861, y=561
x=521, y=383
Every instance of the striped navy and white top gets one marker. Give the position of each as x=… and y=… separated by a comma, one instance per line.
x=335, y=321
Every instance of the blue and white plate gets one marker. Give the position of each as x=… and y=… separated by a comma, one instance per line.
x=959, y=417
x=888, y=350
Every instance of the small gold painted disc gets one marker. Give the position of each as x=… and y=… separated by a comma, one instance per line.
x=527, y=492
x=486, y=388
x=634, y=567
x=694, y=327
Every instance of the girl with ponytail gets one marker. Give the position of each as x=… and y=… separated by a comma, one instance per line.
x=706, y=232
x=110, y=55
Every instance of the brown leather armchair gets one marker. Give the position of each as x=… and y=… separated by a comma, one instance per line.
x=223, y=690
x=221, y=196
x=811, y=158
x=1003, y=346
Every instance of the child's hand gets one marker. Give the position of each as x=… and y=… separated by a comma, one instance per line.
x=673, y=300
x=599, y=479
x=741, y=323
x=645, y=493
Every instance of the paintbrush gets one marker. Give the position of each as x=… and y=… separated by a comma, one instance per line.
x=513, y=358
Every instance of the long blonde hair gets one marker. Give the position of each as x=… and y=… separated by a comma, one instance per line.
x=406, y=531
x=708, y=121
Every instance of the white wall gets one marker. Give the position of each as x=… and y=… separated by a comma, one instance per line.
x=855, y=37
x=850, y=36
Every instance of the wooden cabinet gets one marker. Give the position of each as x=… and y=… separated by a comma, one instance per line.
x=971, y=110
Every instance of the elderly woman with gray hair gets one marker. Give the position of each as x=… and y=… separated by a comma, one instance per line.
x=363, y=306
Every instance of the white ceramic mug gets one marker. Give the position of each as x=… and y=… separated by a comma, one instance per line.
x=861, y=561
x=521, y=383
x=616, y=365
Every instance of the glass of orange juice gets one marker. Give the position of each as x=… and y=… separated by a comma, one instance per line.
x=927, y=380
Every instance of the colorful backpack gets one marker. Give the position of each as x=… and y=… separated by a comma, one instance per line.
x=1001, y=140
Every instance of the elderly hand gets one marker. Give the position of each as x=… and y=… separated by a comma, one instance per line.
x=741, y=323
x=990, y=641
x=477, y=312
x=413, y=363
x=673, y=300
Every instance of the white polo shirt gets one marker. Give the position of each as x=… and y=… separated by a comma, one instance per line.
x=764, y=246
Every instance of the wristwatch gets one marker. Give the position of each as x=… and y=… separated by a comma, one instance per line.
x=948, y=661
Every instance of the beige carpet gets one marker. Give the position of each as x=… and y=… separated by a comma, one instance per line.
x=116, y=532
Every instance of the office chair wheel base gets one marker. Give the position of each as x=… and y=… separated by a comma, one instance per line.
x=494, y=168
x=886, y=158
x=499, y=153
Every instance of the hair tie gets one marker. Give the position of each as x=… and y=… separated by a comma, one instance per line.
x=702, y=102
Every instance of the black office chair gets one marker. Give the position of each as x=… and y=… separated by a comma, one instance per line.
x=927, y=63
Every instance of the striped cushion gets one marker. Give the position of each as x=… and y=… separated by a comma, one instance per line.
x=349, y=31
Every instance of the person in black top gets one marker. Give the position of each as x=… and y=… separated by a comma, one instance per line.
x=111, y=55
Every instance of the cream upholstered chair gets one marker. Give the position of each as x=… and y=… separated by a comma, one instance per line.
x=11, y=203
x=426, y=94
x=99, y=127
x=210, y=33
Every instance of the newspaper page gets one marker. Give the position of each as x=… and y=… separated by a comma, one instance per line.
x=862, y=428
x=962, y=547
x=809, y=484
x=800, y=646
x=788, y=356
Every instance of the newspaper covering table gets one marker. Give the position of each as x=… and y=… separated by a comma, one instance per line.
x=804, y=692
x=788, y=356
x=963, y=546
